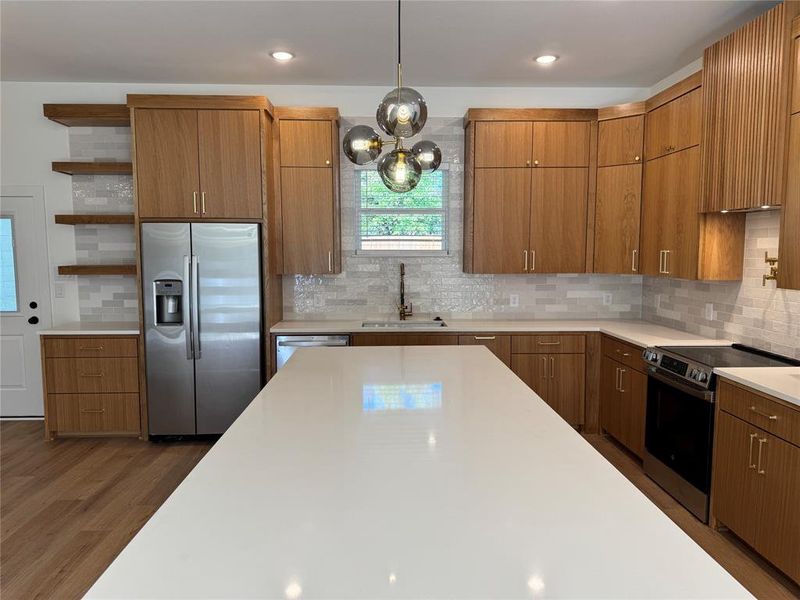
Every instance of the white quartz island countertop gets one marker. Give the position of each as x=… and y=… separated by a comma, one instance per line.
x=641, y=333
x=93, y=328
x=781, y=382
x=416, y=472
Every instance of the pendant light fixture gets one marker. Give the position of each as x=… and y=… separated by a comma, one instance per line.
x=401, y=114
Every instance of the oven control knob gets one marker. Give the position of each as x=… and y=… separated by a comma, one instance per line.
x=692, y=373
x=702, y=377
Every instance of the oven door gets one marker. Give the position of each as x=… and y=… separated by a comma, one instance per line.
x=679, y=428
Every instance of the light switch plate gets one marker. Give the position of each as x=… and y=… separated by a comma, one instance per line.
x=513, y=300
x=710, y=311
x=607, y=298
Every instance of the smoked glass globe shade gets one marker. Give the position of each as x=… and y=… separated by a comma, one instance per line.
x=427, y=154
x=399, y=170
x=402, y=112
x=362, y=144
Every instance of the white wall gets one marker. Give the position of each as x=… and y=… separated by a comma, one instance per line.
x=29, y=142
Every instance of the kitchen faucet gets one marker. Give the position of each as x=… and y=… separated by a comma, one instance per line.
x=405, y=311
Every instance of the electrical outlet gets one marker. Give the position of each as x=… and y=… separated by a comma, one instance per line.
x=658, y=301
x=58, y=290
x=709, y=311
x=513, y=300
x=607, y=298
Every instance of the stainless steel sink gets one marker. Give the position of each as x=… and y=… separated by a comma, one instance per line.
x=403, y=324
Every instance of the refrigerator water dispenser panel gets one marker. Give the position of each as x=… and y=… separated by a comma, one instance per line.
x=169, y=305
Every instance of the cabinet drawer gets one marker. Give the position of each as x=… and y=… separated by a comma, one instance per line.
x=500, y=345
x=548, y=344
x=403, y=339
x=779, y=420
x=628, y=354
x=92, y=375
x=96, y=413
x=89, y=347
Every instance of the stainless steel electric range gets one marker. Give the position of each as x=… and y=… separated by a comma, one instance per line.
x=679, y=429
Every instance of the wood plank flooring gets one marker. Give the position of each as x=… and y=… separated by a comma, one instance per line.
x=68, y=507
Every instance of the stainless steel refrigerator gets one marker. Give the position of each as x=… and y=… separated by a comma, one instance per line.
x=202, y=319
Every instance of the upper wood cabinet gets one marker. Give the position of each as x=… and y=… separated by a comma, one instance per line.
x=198, y=156
x=746, y=81
x=675, y=125
x=308, y=224
x=620, y=141
x=789, y=250
x=529, y=183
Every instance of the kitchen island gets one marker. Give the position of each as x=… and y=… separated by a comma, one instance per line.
x=407, y=472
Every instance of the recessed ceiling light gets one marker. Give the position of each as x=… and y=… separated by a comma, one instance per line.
x=282, y=55
x=546, y=59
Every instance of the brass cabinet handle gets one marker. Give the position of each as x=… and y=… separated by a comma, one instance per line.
x=525, y=256
x=327, y=162
x=552, y=367
x=637, y=158
x=548, y=343
x=544, y=365
x=533, y=260
x=330, y=262
x=485, y=337
x=622, y=380
x=527, y=162
x=616, y=378
x=536, y=162
x=660, y=261
x=750, y=463
x=634, y=262
x=93, y=410
x=203, y=203
x=761, y=442
x=666, y=261
x=194, y=202
x=100, y=374
x=618, y=351
x=97, y=348
x=763, y=414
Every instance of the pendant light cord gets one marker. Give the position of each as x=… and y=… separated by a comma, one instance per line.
x=399, y=48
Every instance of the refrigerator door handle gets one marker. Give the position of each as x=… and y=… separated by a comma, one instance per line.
x=195, y=306
x=186, y=299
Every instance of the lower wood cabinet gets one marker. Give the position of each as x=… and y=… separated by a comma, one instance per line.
x=559, y=379
x=623, y=401
x=500, y=345
x=403, y=339
x=91, y=385
x=756, y=474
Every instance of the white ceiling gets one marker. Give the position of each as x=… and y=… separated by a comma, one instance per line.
x=446, y=43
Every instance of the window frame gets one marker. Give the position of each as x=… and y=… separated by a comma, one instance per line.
x=444, y=211
x=14, y=262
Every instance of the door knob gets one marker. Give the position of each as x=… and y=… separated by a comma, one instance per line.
x=33, y=320
x=33, y=305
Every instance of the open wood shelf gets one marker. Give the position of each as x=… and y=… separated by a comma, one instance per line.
x=95, y=219
x=89, y=115
x=97, y=270
x=93, y=168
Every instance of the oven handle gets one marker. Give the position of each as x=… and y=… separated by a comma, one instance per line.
x=705, y=395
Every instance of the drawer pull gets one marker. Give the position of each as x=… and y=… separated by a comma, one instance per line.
x=549, y=343
x=485, y=337
x=93, y=410
x=750, y=463
x=763, y=414
x=618, y=351
x=96, y=348
x=92, y=374
x=761, y=442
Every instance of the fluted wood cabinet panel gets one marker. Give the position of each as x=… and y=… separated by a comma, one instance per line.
x=746, y=85
x=789, y=251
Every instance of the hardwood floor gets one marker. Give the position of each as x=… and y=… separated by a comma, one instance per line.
x=754, y=573
x=69, y=506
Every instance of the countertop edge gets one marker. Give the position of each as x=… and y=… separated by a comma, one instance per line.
x=759, y=386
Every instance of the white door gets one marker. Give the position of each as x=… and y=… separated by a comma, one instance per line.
x=24, y=300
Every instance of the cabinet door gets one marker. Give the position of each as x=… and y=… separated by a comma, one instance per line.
x=500, y=345
x=306, y=143
x=737, y=490
x=620, y=141
x=403, y=339
x=789, y=246
x=558, y=220
x=501, y=220
x=795, y=93
x=778, y=535
x=307, y=214
x=566, y=389
x=561, y=144
x=675, y=125
x=533, y=369
x=167, y=171
x=617, y=216
x=610, y=397
x=230, y=163
x=503, y=143
x=633, y=403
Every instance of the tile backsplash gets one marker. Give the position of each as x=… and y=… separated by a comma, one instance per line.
x=104, y=298
x=743, y=311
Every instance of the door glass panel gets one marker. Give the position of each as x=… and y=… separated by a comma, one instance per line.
x=8, y=267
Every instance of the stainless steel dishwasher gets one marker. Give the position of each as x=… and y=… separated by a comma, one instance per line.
x=287, y=344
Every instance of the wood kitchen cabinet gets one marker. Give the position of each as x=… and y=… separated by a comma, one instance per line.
x=500, y=345
x=756, y=474
x=198, y=156
x=619, y=191
x=403, y=339
x=789, y=246
x=559, y=379
x=674, y=126
x=623, y=403
x=528, y=185
x=309, y=222
x=747, y=80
